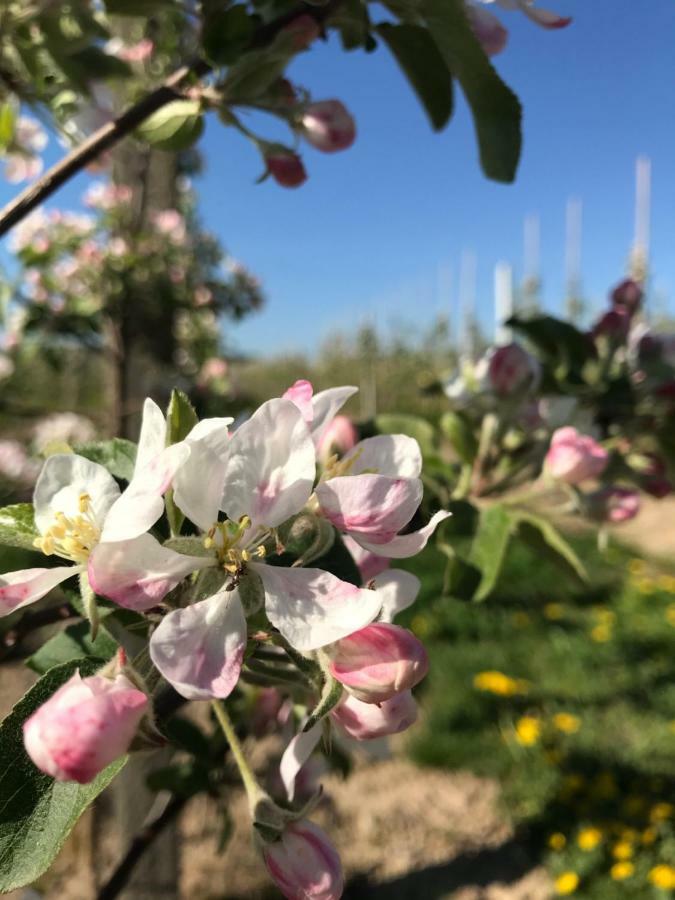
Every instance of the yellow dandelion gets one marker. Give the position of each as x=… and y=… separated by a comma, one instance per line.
x=622, y=870
x=498, y=683
x=554, y=611
x=566, y=722
x=670, y=614
x=589, y=838
x=528, y=730
x=649, y=836
x=636, y=567
x=557, y=841
x=421, y=626
x=660, y=812
x=601, y=633
x=645, y=585
x=622, y=850
x=567, y=883
x=662, y=876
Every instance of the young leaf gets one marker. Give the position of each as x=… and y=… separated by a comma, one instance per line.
x=560, y=343
x=414, y=426
x=424, y=67
x=226, y=33
x=118, y=456
x=489, y=547
x=37, y=813
x=73, y=643
x=176, y=126
x=495, y=108
x=17, y=526
x=547, y=541
x=181, y=417
x=458, y=431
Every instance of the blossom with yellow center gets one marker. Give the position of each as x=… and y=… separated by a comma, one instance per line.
x=622, y=870
x=567, y=883
x=557, y=841
x=622, y=850
x=589, y=838
x=72, y=537
x=498, y=683
x=566, y=722
x=662, y=876
x=528, y=730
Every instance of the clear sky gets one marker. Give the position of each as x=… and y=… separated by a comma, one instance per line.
x=371, y=230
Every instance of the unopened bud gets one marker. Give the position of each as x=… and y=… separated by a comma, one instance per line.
x=304, y=864
x=379, y=661
x=510, y=369
x=328, y=126
x=574, y=457
x=367, y=721
x=84, y=726
x=615, y=504
x=286, y=168
x=339, y=437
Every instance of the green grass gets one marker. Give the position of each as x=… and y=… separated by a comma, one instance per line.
x=604, y=655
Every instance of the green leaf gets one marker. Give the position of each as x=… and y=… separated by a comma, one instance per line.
x=188, y=546
x=547, y=542
x=36, y=812
x=331, y=695
x=17, y=526
x=459, y=432
x=350, y=18
x=226, y=34
x=495, y=108
x=461, y=579
x=421, y=62
x=176, y=126
x=561, y=344
x=135, y=7
x=118, y=456
x=7, y=122
x=414, y=426
x=489, y=547
x=181, y=417
x=73, y=643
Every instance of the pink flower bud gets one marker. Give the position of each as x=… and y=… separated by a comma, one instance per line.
x=367, y=721
x=339, y=437
x=84, y=726
x=379, y=661
x=615, y=504
x=614, y=324
x=286, y=169
x=304, y=864
x=627, y=295
x=511, y=369
x=328, y=126
x=574, y=457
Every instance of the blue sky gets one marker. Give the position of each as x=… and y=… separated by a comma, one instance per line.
x=373, y=227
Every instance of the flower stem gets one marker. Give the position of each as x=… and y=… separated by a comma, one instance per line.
x=253, y=790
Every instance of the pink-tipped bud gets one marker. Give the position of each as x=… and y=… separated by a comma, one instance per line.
x=339, y=437
x=511, y=369
x=379, y=661
x=627, y=295
x=328, y=126
x=615, y=504
x=84, y=726
x=286, y=169
x=304, y=864
x=574, y=457
x=614, y=325
x=367, y=721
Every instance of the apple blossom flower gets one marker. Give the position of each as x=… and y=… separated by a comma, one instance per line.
x=328, y=126
x=378, y=661
x=87, y=724
x=82, y=517
x=489, y=30
x=368, y=721
x=22, y=162
x=511, y=369
x=542, y=17
x=304, y=864
x=615, y=504
x=369, y=564
x=171, y=223
x=286, y=168
x=339, y=437
x=260, y=477
x=573, y=457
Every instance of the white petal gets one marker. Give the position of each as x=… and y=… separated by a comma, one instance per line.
x=199, y=649
x=296, y=755
x=152, y=439
x=140, y=572
x=270, y=466
x=325, y=406
x=387, y=454
x=18, y=589
x=544, y=17
x=63, y=480
x=198, y=484
x=142, y=503
x=312, y=608
x=397, y=590
x=404, y=545
x=374, y=507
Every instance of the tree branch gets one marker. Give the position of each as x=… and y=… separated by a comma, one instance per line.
x=112, y=132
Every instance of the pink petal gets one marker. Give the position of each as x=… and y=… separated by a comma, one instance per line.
x=312, y=608
x=296, y=755
x=200, y=649
x=270, y=465
x=138, y=573
x=301, y=394
x=18, y=589
x=490, y=32
x=544, y=17
x=373, y=507
x=326, y=405
x=404, y=545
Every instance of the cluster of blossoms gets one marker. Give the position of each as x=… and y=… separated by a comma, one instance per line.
x=489, y=29
x=22, y=157
x=270, y=492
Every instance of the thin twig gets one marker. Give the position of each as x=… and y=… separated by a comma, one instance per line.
x=112, y=132
x=143, y=840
